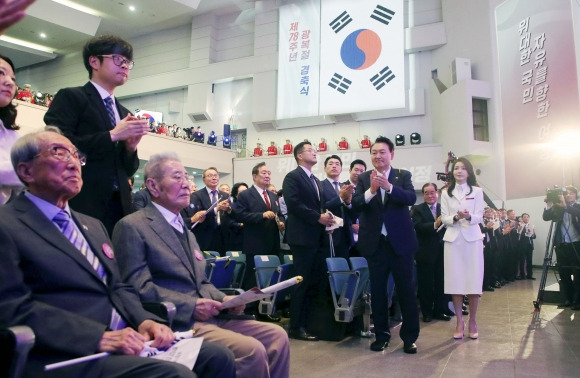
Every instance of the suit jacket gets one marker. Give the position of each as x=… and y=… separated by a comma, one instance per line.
x=188, y=212
x=331, y=201
x=261, y=236
x=82, y=117
x=304, y=209
x=47, y=284
x=206, y=231
x=394, y=214
x=472, y=202
x=430, y=241
x=152, y=259
x=555, y=214
x=141, y=199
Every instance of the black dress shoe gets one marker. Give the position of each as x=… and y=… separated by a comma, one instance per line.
x=301, y=334
x=497, y=284
x=575, y=306
x=410, y=348
x=531, y=278
x=379, y=345
x=449, y=313
x=442, y=316
x=488, y=288
x=267, y=318
x=427, y=318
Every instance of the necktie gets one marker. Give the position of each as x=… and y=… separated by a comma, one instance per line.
x=434, y=211
x=213, y=196
x=215, y=210
x=109, y=106
x=69, y=230
x=313, y=179
x=267, y=200
x=336, y=187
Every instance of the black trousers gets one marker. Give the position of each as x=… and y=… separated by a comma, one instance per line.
x=430, y=287
x=381, y=263
x=568, y=255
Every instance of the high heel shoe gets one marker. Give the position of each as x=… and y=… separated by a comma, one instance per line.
x=473, y=335
x=459, y=335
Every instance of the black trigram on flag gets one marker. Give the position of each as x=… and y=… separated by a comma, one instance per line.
x=340, y=22
x=382, y=78
x=339, y=83
x=382, y=14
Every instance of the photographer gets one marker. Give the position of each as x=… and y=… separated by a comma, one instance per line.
x=566, y=214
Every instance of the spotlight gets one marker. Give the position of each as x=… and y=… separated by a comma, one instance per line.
x=399, y=140
x=227, y=142
x=415, y=138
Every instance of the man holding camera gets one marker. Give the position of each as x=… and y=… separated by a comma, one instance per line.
x=566, y=214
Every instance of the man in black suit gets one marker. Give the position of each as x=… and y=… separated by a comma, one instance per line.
x=60, y=278
x=566, y=214
x=305, y=230
x=208, y=230
x=103, y=129
x=387, y=240
x=337, y=199
x=141, y=199
x=357, y=167
x=258, y=209
x=429, y=257
x=527, y=236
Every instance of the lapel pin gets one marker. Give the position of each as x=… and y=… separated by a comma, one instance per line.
x=198, y=255
x=108, y=251
x=85, y=228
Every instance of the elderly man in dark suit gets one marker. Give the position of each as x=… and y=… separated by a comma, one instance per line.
x=429, y=257
x=337, y=199
x=305, y=233
x=59, y=277
x=387, y=240
x=164, y=263
x=258, y=209
x=208, y=230
x=103, y=129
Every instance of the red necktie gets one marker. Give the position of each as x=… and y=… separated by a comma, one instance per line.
x=267, y=200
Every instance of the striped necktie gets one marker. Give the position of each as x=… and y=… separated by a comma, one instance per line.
x=109, y=106
x=72, y=233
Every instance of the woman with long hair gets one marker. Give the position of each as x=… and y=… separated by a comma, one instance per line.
x=462, y=211
x=9, y=181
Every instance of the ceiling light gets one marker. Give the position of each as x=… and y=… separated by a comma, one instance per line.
x=131, y=8
x=42, y=35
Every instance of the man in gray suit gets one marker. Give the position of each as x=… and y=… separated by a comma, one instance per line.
x=59, y=277
x=164, y=262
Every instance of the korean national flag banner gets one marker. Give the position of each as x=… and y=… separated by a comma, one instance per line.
x=362, y=64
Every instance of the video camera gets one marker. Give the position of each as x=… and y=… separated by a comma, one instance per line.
x=553, y=195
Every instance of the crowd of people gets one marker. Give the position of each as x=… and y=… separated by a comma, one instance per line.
x=81, y=253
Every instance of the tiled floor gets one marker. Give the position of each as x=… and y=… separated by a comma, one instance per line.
x=515, y=341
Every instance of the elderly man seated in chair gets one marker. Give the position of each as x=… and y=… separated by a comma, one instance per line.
x=164, y=263
x=59, y=277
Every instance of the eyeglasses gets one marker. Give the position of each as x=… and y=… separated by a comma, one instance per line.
x=211, y=175
x=119, y=60
x=64, y=154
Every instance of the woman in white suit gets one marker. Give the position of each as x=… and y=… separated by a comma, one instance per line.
x=462, y=211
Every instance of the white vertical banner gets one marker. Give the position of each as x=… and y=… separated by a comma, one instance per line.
x=362, y=56
x=298, y=60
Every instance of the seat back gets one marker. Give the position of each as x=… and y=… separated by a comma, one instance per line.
x=288, y=259
x=361, y=265
x=344, y=284
x=240, y=270
x=265, y=265
x=15, y=343
x=222, y=272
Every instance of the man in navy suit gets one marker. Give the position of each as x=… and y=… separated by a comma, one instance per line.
x=337, y=199
x=103, y=129
x=208, y=230
x=258, y=209
x=429, y=258
x=387, y=240
x=357, y=167
x=60, y=278
x=305, y=230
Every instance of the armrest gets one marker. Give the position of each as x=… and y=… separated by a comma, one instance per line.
x=16, y=343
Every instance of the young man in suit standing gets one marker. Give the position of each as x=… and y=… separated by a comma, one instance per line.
x=337, y=199
x=387, y=240
x=429, y=257
x=258, y=209
x=305, y=230
x=103, y=129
